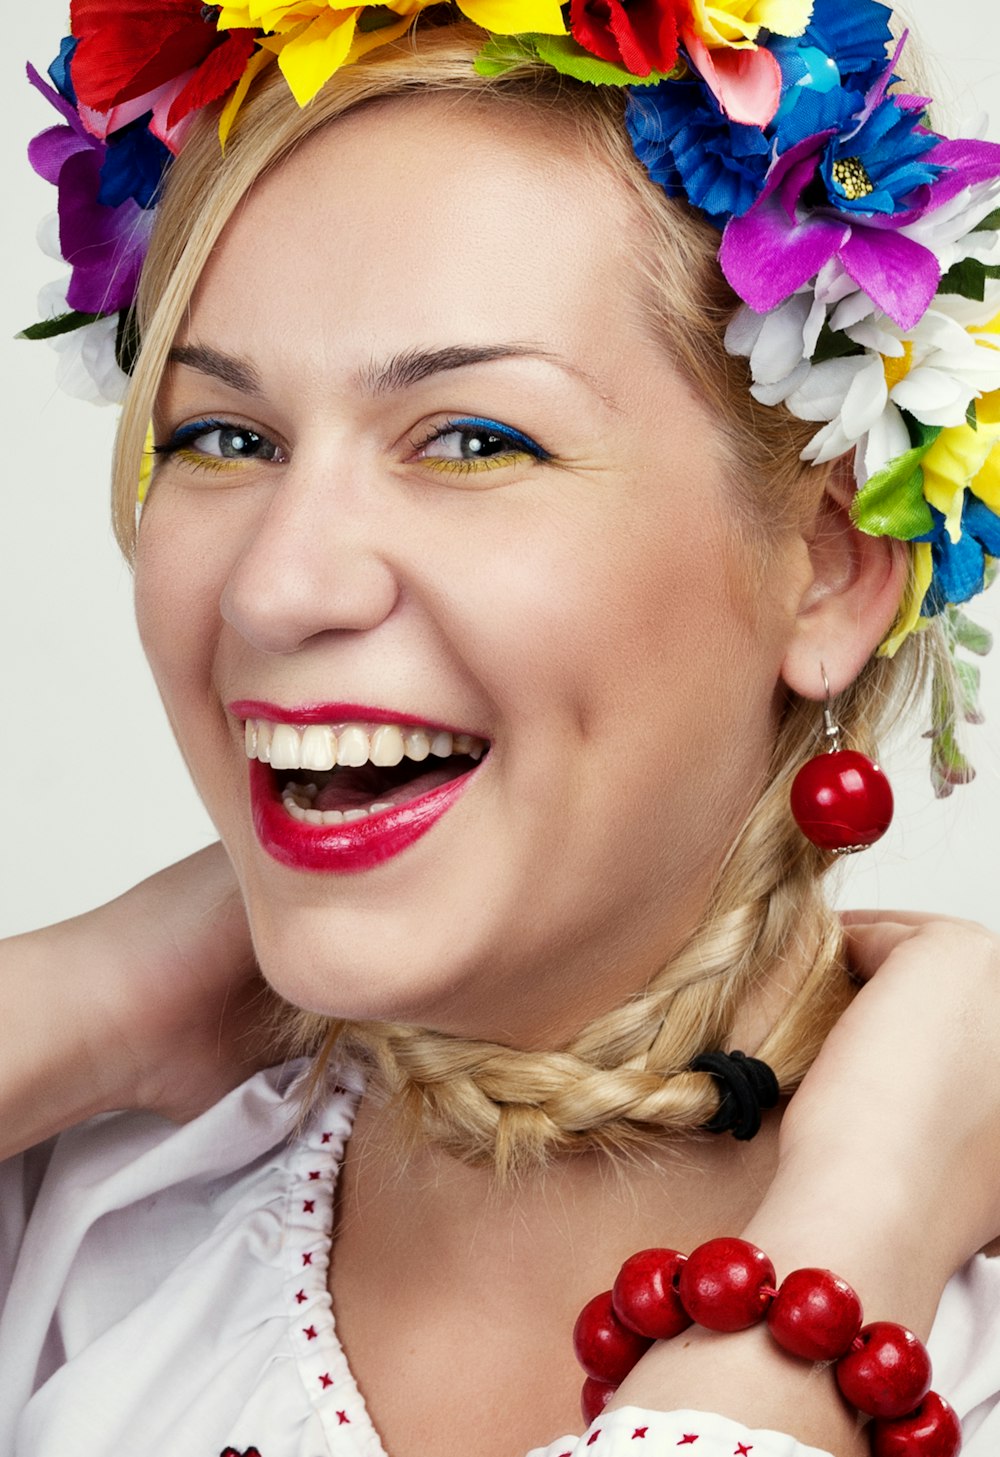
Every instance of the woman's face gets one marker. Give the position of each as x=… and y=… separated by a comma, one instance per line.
x=434, y=474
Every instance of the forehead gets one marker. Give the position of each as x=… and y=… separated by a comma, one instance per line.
x=418, y=221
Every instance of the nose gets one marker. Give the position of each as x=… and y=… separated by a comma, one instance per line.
x=310, y=562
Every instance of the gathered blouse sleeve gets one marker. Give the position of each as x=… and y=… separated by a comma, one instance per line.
x=631, y=1432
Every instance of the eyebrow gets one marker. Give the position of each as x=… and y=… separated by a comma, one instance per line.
x=231, y=371
x=399, y=372
x=413, y=365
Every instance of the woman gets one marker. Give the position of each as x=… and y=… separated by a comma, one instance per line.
x=439, y=519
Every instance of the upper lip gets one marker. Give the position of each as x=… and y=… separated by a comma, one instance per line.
x=334, y=713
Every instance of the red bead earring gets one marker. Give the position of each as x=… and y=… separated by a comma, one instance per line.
x=841, y=801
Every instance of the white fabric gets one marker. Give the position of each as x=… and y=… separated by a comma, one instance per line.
x=166, y=1292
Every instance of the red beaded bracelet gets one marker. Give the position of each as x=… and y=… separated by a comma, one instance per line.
x=729, y=1285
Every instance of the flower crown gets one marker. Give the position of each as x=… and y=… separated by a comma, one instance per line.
x=864, y=245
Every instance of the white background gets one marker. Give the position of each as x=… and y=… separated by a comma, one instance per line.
x=95, y=795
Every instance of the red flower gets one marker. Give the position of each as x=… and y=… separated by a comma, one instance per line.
x=640, y=35
x=128, y=48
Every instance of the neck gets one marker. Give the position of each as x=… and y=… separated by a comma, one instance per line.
x=451, y=1291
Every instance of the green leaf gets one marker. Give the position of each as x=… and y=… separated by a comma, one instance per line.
x=833, y=344
x=971, y=417
x=968, y=279
x=127, y=341
x=566, y=56
x=61, y=324
x=891, y=502
x=376, y=17
x=965, y=633
x=969, y=682
x=504, y=52
x=990, y=224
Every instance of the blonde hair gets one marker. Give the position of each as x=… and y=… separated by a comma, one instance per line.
x=624, y=1080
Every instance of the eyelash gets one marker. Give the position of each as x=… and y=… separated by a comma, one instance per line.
x=519, y=443
x=195, y=459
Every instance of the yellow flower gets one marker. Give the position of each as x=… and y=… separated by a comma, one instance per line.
x=146, y=464
x=313, y=38
x=737, y=23
x=960, y=459
x=909, y=619
x=963, y=458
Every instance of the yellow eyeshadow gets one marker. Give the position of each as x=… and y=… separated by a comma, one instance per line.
x=488, y=462
x=197, y=461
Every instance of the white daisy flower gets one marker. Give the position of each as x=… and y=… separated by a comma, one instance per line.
x=88, y=368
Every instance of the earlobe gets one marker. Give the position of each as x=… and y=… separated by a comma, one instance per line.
x=851, y=601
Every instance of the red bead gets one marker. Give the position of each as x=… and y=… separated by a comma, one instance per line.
x=606, y=1349
x=889, y=1374
x=645, y=1294
x=723, y=1284
x=594, y=1398
x=842, y=801
x=815, y=1314
x=933, y=1430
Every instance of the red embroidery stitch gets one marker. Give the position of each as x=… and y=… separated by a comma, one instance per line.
x=326, y=1137
x=309, y=1206
x=687, y=1438
x=301, y=1297
x=309, y=1332
x=314, y=1173
x=326, y=1380
x=593, y=1437
x=307, y=1259
x=639, y=1432
x=742, y=1449
x=343, y=1420
x=232, y=1452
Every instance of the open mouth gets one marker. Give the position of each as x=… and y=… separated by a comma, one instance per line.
x=327, y=775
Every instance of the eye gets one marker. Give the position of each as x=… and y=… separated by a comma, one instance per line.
x=473, y=443
x=216, y=441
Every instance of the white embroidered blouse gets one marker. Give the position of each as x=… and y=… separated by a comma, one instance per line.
x=165, y=1291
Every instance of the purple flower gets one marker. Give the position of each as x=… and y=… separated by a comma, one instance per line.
x=105, y=246
x=812, y=211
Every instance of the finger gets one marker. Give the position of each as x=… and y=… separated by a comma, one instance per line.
x=869, y=945
x=864, y=916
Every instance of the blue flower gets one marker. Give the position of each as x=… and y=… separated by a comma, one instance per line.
x=855, y=33
x=960, y=566
x=59, y=71
x=876, y=167
x=134, y=165
x=828, y=70
x=693, y=150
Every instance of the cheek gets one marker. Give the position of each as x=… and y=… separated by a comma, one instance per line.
x=178, y=584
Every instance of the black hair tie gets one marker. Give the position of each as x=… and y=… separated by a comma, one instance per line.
x=746, y=1084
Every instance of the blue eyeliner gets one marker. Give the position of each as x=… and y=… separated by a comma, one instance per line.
x=186, y=433
x=506, y=432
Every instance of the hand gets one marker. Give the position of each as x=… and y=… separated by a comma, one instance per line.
x=184, y=1005
x=152, y=1001
x=888, y=1172
x=902, y=1106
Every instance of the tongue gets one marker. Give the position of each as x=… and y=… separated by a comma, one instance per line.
x=358, y=788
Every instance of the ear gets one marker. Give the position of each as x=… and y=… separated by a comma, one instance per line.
x=852, y=599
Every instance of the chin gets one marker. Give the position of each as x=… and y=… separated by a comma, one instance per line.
x=376, y=966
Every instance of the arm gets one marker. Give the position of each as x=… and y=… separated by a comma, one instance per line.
x=886, y=1175
x=149, y=1001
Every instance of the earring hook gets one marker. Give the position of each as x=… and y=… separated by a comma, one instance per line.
x=830, y=726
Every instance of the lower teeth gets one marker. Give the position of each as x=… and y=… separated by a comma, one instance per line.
x=298, y=806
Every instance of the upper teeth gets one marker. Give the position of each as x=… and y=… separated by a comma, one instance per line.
x=320, y=746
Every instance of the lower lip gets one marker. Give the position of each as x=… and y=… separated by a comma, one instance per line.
x=345, y=848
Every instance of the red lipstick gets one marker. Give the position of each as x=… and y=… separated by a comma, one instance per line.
x=351, y=846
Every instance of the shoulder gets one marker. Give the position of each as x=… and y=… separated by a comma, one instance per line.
x=159, y=1249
